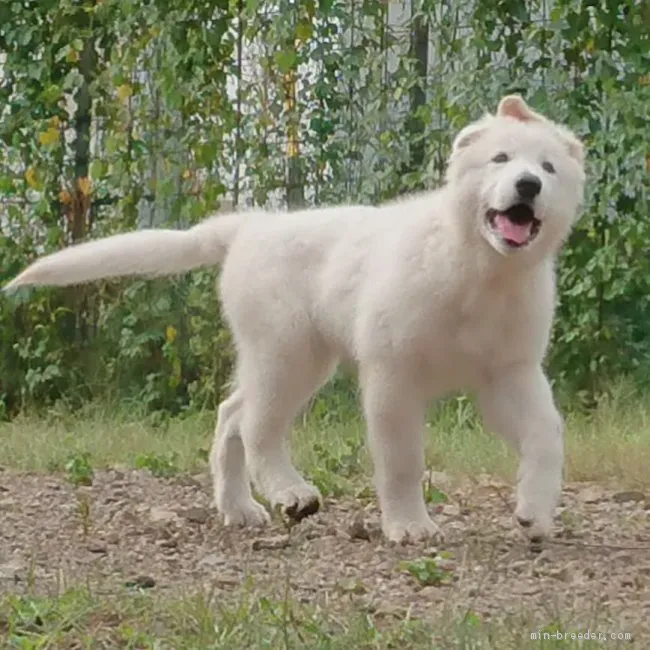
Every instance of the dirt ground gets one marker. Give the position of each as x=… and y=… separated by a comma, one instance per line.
x=130, y=526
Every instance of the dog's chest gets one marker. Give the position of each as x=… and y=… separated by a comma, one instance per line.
x=489, y=328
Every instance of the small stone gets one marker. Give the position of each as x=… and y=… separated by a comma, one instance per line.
x=561, y=574
x=10, y=571
x=591, y=495
x=432, y=593
x=625, y=558
x=188, y=481
x=3, y=488
x=451, y=510
x=270, y=543
x=141, y=582
x=197, y=515
x=529, y=589
x=226, y=581
x=314, y=533
x=161, y=514
x=390, y=610
x=628, y=495
x=519, y=566
x=97, y=548
x=358, y=530
x=354, y=587
x=212, y=560
x=168, y=543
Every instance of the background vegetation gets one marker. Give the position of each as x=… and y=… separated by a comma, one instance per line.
x=122, y=113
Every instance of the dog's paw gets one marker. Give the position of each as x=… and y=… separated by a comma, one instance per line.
x=409, y=531
x=535, y=528
x=247, y=513
x=298, y=501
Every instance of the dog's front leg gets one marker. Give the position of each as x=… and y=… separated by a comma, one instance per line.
x=519, y=405
x=394, y=416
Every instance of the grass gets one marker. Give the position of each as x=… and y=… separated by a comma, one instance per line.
x=80, y=619
x=608, y=445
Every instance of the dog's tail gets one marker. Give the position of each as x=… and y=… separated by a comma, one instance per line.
x=140, y=253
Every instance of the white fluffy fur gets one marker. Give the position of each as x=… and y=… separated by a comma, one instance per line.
x=420, y=294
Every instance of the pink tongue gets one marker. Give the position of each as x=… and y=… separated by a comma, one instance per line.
x=518, y=233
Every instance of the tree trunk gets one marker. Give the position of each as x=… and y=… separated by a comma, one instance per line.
x=419, y=52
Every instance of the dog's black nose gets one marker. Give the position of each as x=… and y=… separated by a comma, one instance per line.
x=528, y=186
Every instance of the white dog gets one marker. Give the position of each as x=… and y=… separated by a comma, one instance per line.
x=445, y=291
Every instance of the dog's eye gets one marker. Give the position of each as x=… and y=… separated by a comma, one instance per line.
x=501, y=158
x=548, y=167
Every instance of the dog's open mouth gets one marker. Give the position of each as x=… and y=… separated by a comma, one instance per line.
x=517, y=226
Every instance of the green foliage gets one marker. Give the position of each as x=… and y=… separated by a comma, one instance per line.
x=162, y=466
x=84, y=618
x=79, y=469
x=437, y=570
x=181, y=120
x=337, y=466
x=432, y=494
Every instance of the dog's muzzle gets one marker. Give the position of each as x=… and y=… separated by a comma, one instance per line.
x=516, y=227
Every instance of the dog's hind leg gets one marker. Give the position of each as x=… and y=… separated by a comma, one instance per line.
x=275, y=385
x=232, y=492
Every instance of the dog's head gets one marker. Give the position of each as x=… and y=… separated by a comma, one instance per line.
x=520, y=176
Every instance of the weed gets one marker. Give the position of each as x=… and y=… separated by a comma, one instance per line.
x=79, y=470
x=335, y=466
x=84, y=513
x=437, y=570
x=160, y=465
x=432, y=494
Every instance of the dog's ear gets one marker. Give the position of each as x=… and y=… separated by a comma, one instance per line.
x=514, y=106
x=471, y=133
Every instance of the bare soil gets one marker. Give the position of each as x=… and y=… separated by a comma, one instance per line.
x=131, y=528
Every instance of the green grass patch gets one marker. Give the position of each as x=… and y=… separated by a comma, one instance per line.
x=610, y=443
x=148, y=621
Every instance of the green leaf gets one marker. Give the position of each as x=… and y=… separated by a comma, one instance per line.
x=285, y=60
